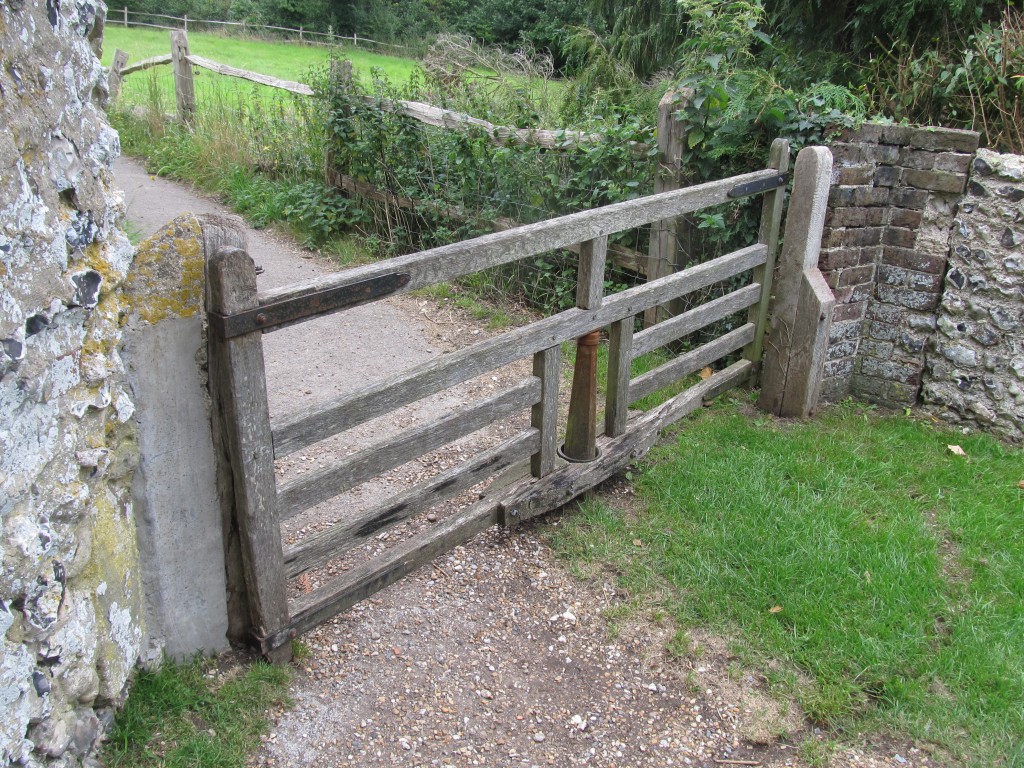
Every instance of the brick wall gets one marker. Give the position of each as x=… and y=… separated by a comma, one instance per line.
x=884, y=253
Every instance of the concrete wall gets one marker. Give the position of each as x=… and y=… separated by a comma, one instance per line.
x=975, y=361
x=70, y=603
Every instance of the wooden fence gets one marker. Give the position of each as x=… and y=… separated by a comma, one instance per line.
x=661, y=258
x=790, y=366
x=128, y=18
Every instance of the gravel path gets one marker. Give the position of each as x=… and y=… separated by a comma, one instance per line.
x=494, y=655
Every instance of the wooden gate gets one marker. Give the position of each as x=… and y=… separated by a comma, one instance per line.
x=239, y=315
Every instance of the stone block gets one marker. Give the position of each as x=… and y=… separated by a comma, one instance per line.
x=900, y=237
x=945, y=140
x=887, y=176
x=838, y=258
x=845, y=331
x=855, y=216
x=888, y=370
x=862, y=292
x=935, y=181
x=857, y=275
x=879, y=349
x=906, y=297
x=842, y=349
x=954, y=162
x=870, y=255
x=907, y=258
x=881, y=153
x=907, y=278
x=886, y=313
x=843, y=367
x=916, y=159
x=853, y=175
x=858, y=237
x=868, y=386
x=844, y=312
x=902, y=394
x=846, y=154
x=906, y=197
x=842, y=294
x=882, y=331
x=900, y=217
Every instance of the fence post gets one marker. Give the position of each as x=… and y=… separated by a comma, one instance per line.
x=544, y=415
x=620, y=359
x=184, y=87
x=184, y=19
x=239, y=387
x=771, y=220
x=801, y=317
x=355, y=39
x=300, y=33
x=114, y=78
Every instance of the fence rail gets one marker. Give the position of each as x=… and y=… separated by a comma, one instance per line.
x=301, y=32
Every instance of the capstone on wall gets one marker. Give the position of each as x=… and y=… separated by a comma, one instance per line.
x=70, y=626
x=975, y=361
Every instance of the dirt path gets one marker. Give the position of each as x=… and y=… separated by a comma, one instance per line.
x=494, y=655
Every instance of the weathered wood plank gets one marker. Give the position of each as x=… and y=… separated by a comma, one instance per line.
x=662, y=250
x=590, y=278
x=184, y=86
x=691, y=362
x=152, y=61
x=671, y=330
x=238, y=383
x=810, y=346
x=772, y=206
x=324, y=483
x=620, y=355
x=219, y=231
x=224, y=69
x=316, y=550
x=450, y=261
x=116, y=75
x=307, y=426
x=805, y=222
x=528, y=499
x=535, y=497
x=345, y=591
x=544, y=415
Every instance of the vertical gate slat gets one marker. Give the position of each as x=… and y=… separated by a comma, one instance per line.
x=768, y=234
x=544, y=416
x=238, y=379
x=590, y=280
x=620, y=356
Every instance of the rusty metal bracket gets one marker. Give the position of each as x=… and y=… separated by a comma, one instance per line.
x=753, y=187
x=270, y=316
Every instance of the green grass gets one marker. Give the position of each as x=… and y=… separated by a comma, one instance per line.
x=192, y=715
x=289, y=61
x=854, y=547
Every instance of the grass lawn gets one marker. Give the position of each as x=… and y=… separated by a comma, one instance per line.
x=856, y=547
x=289, y=61
x=196, y=714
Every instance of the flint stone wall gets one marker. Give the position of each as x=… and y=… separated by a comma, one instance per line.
x=975, y=362
x=70, y=607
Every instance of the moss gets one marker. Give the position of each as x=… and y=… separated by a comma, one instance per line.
x=167, y=278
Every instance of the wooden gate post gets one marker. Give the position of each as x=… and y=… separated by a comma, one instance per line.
x=581, y=428
x=238, y=383
x=184, y=86
x=114, y=78
x=801, y=313
x=662, y=254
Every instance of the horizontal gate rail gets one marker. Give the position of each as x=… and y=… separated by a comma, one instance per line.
x=332, y=542
x=439, y=265
x=690, y=362
x=329, y=481
x=308, y=426
x=525, y=499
